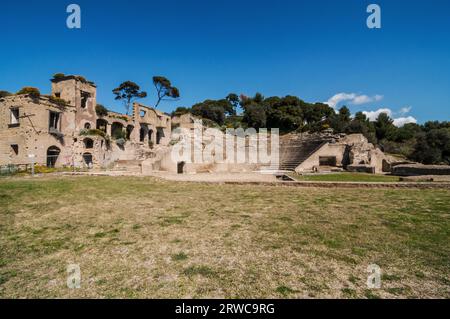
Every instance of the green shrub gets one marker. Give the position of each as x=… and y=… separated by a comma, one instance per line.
x=87, y=132
x=5, y=94
x=58, y=76
x=40, y=169
x=31, y=91
x=58, y=101
x=8, y=170
x=101, y=110
x=120, y=117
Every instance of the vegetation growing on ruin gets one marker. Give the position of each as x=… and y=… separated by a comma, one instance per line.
x=184, y=240
x=58, y=101
x=30, y=91
x=101, y=110
x=119, y=134
x=120, y=117
x=58, y=76
x=87, y=132
x=5, y=94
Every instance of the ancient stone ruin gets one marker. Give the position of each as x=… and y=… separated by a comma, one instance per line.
x=66, y=129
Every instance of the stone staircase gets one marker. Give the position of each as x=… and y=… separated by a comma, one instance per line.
x=295, y=149
x=132, y=166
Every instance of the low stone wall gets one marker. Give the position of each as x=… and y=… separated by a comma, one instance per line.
x=419, y=169
x=361, y=168
x=399, y=185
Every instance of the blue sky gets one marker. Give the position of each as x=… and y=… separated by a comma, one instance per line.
x=312, y=49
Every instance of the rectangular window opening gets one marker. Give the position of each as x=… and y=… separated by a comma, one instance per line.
x=15, y=149
x=84, y=98
x=54, y=121
x=14, y=117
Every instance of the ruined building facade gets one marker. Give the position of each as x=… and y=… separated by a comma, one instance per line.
x=73, y=134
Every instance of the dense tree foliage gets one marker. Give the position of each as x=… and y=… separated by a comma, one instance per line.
x=433, y=145
x=428, y=143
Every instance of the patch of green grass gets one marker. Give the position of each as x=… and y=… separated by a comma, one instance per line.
x=369, y=294
x=349, y=293
x=389, y=277
x=284, y=290
x=346, y=177
x=100, y=235
x=353, y=279
x=396, y=290
x=171, y=220
x=201, y=270
x=179, y=256
x=6, y=275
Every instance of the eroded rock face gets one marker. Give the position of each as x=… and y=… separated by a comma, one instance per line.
x=360, y=150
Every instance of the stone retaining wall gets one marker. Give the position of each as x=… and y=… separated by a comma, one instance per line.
x=419, y=169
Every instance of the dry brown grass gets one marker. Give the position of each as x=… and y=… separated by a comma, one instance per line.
x=143, y=237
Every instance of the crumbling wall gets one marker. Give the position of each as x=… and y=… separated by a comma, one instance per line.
x=32, y=134
x=328, y=149
x=354, y=150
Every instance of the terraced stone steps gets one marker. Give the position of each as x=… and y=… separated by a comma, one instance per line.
x=294, y=150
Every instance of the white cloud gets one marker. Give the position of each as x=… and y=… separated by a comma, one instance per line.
x=405, y=110
x=352, y=98
x=373, y=115
x=399, y=122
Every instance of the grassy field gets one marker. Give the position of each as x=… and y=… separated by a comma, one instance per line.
x=346, y=177
x=142, y=237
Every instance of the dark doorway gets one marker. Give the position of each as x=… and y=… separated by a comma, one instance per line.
x=159, y=135
x=87, y=158
x=327, y=160
x=101, y=125
x=52, y=156
x=180, y=167
x=150, y=135
x=117, y=130
x=88, y=143
x=141, y=134
x=129, y=131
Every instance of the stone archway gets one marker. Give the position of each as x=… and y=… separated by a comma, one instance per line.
x=52, y=155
